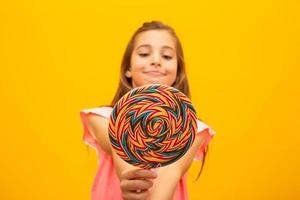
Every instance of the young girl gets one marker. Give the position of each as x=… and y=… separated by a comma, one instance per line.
x=153, y=55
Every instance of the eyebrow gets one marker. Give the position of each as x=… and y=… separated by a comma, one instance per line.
x=148, y=45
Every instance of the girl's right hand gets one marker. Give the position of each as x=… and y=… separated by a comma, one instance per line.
x=135, y=184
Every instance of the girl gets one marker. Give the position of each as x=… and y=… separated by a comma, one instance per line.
x=153, y=55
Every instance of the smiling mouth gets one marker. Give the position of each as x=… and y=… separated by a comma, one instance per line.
x=155, y=73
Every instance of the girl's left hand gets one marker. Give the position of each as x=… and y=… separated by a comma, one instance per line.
x=135, y=184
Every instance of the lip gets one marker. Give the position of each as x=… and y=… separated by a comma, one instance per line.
x=154, y=73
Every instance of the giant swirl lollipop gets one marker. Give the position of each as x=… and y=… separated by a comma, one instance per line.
x=152, y=126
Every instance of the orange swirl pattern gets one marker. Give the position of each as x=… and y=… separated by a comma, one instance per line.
x=152, y=126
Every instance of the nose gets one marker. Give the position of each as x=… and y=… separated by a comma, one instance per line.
x=155, y=60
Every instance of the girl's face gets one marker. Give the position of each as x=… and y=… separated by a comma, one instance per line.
x=153, y=59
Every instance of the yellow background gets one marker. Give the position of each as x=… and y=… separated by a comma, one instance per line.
x=58, y=57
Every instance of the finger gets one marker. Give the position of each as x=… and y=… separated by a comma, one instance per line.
x=135, y=185
x=139, y=174
x=143, y=195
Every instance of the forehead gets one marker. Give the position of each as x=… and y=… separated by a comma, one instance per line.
x=155, y=38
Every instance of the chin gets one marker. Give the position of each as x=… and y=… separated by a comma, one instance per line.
x=153, y=81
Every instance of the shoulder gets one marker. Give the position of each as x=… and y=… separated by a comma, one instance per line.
x=104, y=111
x=96, y=121
x=203, y=127
x=96, y=118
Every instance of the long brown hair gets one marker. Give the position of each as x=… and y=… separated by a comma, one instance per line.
x=181, y=81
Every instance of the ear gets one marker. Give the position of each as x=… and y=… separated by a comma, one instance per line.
x=128, y=73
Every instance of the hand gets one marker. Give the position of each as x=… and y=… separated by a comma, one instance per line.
x=135, y=184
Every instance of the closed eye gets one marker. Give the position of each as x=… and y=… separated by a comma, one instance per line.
x=143, y=54
x=167, y=57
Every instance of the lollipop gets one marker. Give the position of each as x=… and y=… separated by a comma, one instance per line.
x=152, y=126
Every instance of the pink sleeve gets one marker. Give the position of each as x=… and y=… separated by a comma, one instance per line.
x=202, y=128
x=88, y=137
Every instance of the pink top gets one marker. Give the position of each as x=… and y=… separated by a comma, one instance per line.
x=106, y=183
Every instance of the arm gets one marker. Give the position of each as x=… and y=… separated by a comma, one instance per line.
x=98, y=126
x=169, y=176
x=132, y=179
x=129, y=179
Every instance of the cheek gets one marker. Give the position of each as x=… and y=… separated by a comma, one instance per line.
x=172, y=68
x=172, y=73
x=137, y=62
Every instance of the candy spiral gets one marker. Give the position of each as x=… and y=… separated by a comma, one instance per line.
x=152, y=126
